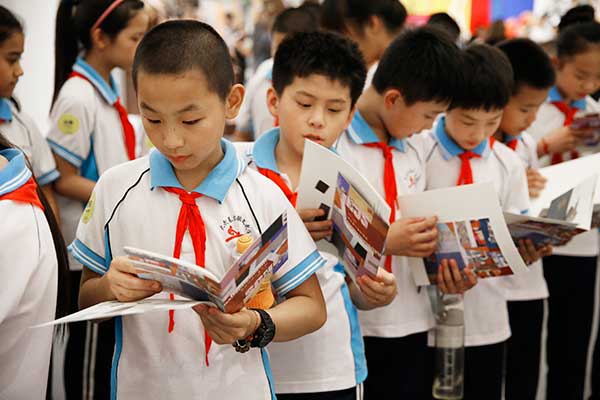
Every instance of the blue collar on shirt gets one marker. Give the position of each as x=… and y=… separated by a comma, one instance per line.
x=5, y=110
x=215, y=185
x=450, y=148
x=361, y=133
x=16, y=173
x=507, y=138
x=554, y=95
x=263, y=151
x=108, y=92
x=270, y=74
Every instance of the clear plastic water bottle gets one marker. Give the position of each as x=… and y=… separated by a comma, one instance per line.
x=448, y=383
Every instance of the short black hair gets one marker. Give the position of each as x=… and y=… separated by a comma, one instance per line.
x=175, y=47
x=577, y=38
x=323, y=53
x=423, y=64
x=446, y=23
x=336, y=14
x=577, y=15
x=530, y=64
x=486, y=79
x=292, y=20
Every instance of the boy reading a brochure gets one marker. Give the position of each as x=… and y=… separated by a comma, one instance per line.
x=415, y=81
x=460, y=150
x=174, y=202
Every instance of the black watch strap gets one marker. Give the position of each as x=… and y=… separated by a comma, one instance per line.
x=266, y=330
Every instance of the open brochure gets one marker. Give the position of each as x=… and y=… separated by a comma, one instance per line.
x=589, y=121
x=472, y=231
x=359, y=214
x=194, y=283
x=563, y=177
x=567, y=215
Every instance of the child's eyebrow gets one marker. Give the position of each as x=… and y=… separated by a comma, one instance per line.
x=336, y=100
x=189, y=107
x=147, y=107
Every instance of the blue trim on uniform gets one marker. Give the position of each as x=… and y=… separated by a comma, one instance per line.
x=107, y=90
x=88, y=257
x=263, y=151
x=5, y=110
x=267, y=367
x=356, y=339
x=298, y=274
x=554, y=95
x=361, y=133
x=89, y=166
x=116, y=357
x=215, y=185
x=65, y=153
x=269, y=74
x=16, y=173
x=48, y=177
x=450, y=148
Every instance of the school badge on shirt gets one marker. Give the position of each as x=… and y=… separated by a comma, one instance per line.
x=235, y=226
x=68, y=124
x=412, y=178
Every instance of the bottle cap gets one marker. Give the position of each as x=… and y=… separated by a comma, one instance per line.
x=243, y=243
x=454, y=317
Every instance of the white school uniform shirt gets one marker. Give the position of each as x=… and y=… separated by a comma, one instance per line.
x=28, y=266
x=529, y=285
x=22, y=132
x=370, y=75
x=410, y=311
x=130, y=208
x=331, y=358
x=486, y=313
x=86, y=131
x=548, y=119
x=254, y=115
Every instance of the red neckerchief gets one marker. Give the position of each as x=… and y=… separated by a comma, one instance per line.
x=27, y=193
x=466, y=173
x=189, y=219
x=128, y=131
x=278, y=180
x=389, y=185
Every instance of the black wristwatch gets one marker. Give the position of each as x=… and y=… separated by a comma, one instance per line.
x=265, y=332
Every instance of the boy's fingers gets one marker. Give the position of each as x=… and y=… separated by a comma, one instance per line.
x=425, y=224
x=456, y=275
x=133, y=282
x=426, y=237
x=122, y=264
x=471, y=277
x=307, y=214
x=316, y=236
x=440, y=278
x=318, y=226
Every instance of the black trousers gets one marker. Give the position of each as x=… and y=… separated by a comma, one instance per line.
x=346, y=394
x=89, y=354
x=523, y=349
x=397, y=368
x=571, y=282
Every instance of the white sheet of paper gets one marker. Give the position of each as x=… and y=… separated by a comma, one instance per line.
x=564, y=176
x=109, y=309
x=462, y=203
x=322, y=164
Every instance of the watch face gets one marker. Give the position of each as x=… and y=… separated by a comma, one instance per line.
x=265, y=332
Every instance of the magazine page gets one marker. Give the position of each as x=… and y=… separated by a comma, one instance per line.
x=358, y=232
x=472, y=231
x=262, y=259
x=109, y=309
x=318, y=182
x=563, y=177
x=541, y=231
x=179, y=277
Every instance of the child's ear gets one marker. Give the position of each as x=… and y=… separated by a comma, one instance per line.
x=273, y=102
x=234, y=101
x=350, y=116
x=99, y=39
x=392, y=97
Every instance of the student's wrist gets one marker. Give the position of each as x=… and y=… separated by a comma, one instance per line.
x=105, y=288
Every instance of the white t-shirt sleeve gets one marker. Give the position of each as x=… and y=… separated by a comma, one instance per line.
x=42, y=161
x=71, y=124
x=89, y=245
x=19, y=256
x=303, y=257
